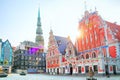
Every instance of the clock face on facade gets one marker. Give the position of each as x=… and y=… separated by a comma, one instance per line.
x=5, y=61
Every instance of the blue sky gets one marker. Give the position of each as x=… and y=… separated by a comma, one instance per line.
x=18, y=18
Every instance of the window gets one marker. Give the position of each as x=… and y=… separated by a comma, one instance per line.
x=91, y=37
x=86, y=69
x=22, y=52
x=95, y=68
x=79, y=69
x=70, y=52
x=78, y=57
x=119, y=48
x=43, y=67
x=59, y=42
x=93, y=55
x=30, y=58
x=26, y=57
x=43, y=64
x=82, y=57
x=22, y=63
x=26, y=63
x=10, y=63
x=87, y=56
x=43, y=55
x=53, y=53
x=57, y=61
x=1, y=62
x=116, y=30
x=86, y=39
x=39, y=67
x=6, y=52
x=95, y=36
x=22, y=56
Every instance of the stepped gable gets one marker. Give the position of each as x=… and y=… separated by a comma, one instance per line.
x=115, y=29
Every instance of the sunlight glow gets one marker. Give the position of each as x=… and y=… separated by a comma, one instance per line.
x=78, y=34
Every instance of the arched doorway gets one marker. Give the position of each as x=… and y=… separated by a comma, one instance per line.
x=79, y=69
x=71, y=69
x=57, y=70
x=48, y=71
x=107, y=69
x=114, y=69
x=86, y=69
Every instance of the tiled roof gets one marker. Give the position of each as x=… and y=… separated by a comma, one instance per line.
x=62, y=43
x=115, y=29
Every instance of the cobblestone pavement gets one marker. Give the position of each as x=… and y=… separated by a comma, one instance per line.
x=54, y=77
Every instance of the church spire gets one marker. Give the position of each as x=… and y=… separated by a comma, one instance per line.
x=39, y=30
x=39, y=38
x=39, y=21
x=85, y=6
x=38, y=12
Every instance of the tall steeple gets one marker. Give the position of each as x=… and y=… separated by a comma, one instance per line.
x=39, y=34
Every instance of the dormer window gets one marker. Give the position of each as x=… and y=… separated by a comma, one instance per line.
x=59, y=42
x=116, y=30
x=114, y=33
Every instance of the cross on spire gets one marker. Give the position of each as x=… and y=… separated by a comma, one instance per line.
x=85, y=5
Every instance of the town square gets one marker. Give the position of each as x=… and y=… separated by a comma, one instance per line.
x=59, y=40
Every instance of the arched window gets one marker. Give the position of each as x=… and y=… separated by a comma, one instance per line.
x=82, y=57
x=93, y=55
x=70, y=52
x=87, y=56
x=53, y=53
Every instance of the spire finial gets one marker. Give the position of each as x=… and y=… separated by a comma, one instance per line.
x=51, y=32
x=85, y=6
x=50, y=27
x=95, y=8
x=90, y=10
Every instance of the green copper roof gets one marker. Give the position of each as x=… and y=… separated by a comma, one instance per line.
x=39, y=37
x=39, y=29
x=0, y=40
x=39, y=13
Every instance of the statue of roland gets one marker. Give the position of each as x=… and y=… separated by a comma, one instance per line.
x=90, y=73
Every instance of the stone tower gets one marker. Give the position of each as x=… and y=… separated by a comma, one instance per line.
x=39, y=34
